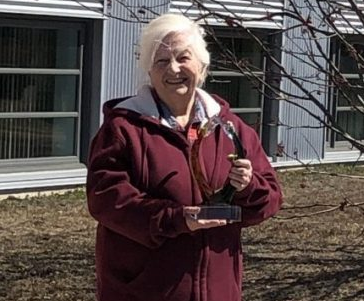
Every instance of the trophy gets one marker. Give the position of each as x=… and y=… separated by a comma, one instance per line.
x=217, y=204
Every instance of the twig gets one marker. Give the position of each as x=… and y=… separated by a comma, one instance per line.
x=341, y=206
x=334, y=174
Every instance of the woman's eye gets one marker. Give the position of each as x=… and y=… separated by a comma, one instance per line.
x=184, y=58
x=162, y=61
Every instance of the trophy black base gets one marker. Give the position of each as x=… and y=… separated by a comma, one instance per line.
x=220, y=211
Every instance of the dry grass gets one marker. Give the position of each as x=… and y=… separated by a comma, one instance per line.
x=46, y=249
x=47, y=245
x=312, y=258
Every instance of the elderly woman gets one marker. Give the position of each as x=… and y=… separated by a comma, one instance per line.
x=143, y=191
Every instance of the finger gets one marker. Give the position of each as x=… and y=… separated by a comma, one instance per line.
x=239, y=185
x=246, y=178
x=240, y=176
x=242, y=163
x=239, y=171
x=236, y=184
x=191, y=210
x=195, y=224
x=210, y=223
x=237, y=179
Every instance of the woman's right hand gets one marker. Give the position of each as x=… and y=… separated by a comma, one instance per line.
x=190, y=213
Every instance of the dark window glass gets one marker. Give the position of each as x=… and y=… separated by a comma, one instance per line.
x=252, y=119
x=37, y=137
x=352, y=95
x=348, y=58
x=240, y=92
x=38, y=93
x=353, y=123
x=38, y=48
x=243, y=50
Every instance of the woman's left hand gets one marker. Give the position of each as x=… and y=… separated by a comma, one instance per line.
x=241, y=174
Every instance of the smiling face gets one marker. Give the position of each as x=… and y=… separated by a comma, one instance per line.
x=175, y=72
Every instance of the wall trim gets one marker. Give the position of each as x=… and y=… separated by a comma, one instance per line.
x=42, y=179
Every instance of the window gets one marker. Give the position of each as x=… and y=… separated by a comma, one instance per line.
x=345, y=102
x=243, y=90
x=40, y=79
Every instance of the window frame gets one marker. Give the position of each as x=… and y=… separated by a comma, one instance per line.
x=331, y=144
x=220, y=32
x=269, y=106
x=80, y=27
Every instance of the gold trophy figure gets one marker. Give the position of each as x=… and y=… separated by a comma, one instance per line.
x=218, y=203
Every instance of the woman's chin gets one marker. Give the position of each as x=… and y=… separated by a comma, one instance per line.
x=182, y=91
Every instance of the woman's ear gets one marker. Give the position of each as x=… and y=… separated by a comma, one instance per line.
x=203, y=75
x=150, y=79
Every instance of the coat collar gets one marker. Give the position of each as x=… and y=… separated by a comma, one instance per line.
x=144, y=103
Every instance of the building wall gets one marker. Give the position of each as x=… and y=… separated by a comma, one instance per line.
x=301, y=135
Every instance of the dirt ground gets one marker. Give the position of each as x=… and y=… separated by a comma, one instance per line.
x=47, y=244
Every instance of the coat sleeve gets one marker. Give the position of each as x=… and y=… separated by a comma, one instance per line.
x=118, y=205
x=262, y=198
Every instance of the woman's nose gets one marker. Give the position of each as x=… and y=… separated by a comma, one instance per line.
x=175, y=66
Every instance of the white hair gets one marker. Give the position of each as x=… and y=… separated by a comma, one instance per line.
x=159, y=28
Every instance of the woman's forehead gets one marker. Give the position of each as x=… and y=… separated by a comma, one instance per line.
x=174, y=49
x=174, y=43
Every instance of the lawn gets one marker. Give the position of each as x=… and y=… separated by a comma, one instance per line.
x=47, y=244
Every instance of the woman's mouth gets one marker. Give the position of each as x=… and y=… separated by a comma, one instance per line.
x=175, y=81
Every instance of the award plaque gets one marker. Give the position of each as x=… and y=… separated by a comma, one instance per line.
x=217, y=204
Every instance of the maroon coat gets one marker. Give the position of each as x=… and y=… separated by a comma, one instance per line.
x=139, y=179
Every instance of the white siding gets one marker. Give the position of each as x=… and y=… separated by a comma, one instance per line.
x=303, y=135
x=254, y=13
x=348, y=20
x=65, y=8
